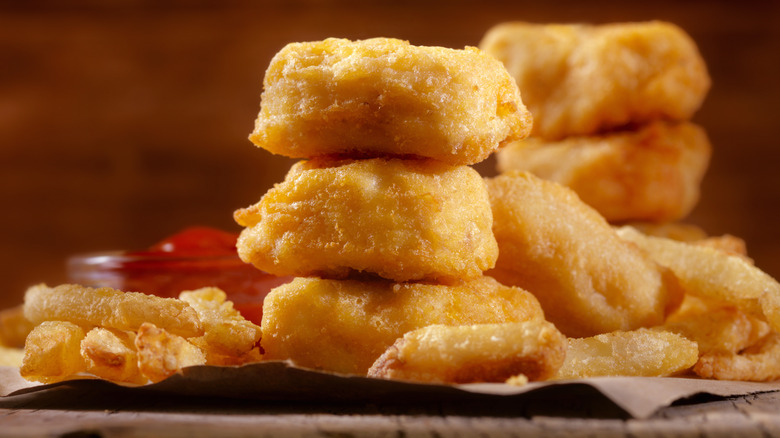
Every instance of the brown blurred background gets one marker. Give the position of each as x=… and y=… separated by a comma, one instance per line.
x=124, y=121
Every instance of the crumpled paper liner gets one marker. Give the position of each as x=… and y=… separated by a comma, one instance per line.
x=639, y=397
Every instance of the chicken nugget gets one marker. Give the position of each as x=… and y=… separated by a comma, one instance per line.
x=400, y=219
x=580, y=79
x=345, y=325
x=652, y=174
x=383, y=96
x=587, y=279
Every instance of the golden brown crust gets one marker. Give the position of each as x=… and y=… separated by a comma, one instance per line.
x=580, y=79
x=383, y=96
x=345, y=325
x=587, y=279
x=404, y=220
x=651, y=174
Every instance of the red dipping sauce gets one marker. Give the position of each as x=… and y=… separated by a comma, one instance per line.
x=191, y=259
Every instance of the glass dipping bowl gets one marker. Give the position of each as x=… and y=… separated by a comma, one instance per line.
x=166, y=275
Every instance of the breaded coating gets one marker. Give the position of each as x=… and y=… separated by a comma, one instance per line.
x=400, y=219
x=652, y=174
x=474, y=353
x=385, y=97
x=580, y=79
x=587, y=279
x=345, y=325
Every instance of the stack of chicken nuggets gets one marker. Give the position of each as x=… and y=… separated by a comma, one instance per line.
x=384, y=224
x=587, y=209
x=612, y=106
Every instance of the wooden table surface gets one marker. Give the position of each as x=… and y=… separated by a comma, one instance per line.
x=90, y=412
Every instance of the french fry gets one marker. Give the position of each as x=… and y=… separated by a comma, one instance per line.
x=110, y=308
x=711, y=273
x=716, y=327
x=226, y=332
x=474, y=353
x=217, y=358
x=758, y=363
x=110, y=354
x=642, y=352
x=162, y=354
x=727, y=243
x=52, y=352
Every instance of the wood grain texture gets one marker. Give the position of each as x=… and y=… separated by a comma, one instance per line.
x=81, y=413
x=123, y=122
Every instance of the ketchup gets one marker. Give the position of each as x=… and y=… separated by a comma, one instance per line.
x=193, y=258
x=198, y=241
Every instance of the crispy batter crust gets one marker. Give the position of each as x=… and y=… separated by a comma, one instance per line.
x=651, y=174
x=382, y=97
x=400, y=219
x=587, y=279
x=345, y=325
x=582, y=79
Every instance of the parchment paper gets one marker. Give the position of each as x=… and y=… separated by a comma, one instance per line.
x=640, y=397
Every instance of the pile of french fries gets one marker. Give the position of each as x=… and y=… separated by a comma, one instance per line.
x=130, y=337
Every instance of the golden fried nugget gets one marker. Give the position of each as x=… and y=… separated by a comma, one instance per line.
x=382, y=96
x=52, y=352
x=652, y=174
x=110, y=355
x=474, y=353
x=345, y=325
x=580, y=79
x=642, y=353
x=162, y=354
x=226, y=332
x=586, y=278
x=711, y=273
x=716, y=327
x=759, y=363
x=109, y=308
x=404, y=220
